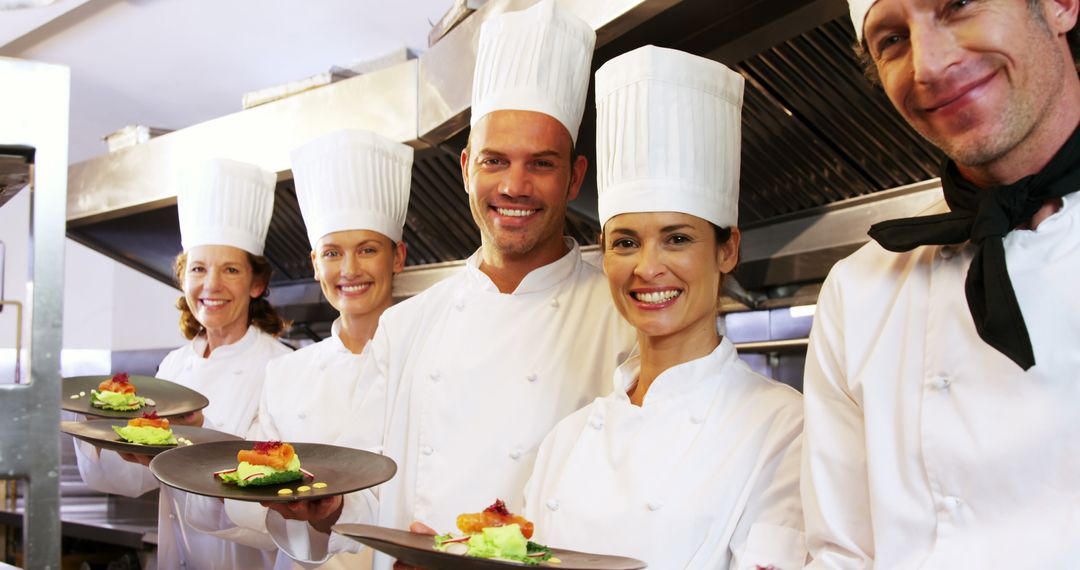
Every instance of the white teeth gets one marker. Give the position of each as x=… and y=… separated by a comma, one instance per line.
x=514, y=213
x=657, y=296
x=213, y=302
x=355, y=288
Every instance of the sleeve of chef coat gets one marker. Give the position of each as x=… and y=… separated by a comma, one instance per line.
x=298, y=540
x=770, y=530
x=104, y=471
x=835, y=489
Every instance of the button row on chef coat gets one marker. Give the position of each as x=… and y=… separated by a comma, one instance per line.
x=238, y=371
x=532, y=377
x=654, y=505
x=302, y=415
x=596, y=423
x=940, y=382
x=552, y=505
x=435, y=376
x=952, y=503
x=554, y=303
x=515, y=453
x=427, y=450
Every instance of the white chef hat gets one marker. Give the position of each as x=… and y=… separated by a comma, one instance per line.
x=534, y=60
x=224, y=202
x=668, y=135
x=352, y=180
x=859, y=9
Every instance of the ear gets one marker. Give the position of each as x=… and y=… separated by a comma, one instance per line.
x=257, y=288
x=314, y=265
x=1061, y=15
x=465, y=168
x=399, y=256
x=577, y=176
x=727, y=253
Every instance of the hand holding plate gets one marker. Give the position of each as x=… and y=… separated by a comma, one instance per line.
x=321, y=514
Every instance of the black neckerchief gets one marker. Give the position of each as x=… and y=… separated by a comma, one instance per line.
x=986, y=216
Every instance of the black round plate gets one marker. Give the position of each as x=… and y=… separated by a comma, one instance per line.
x=99, y=433
x=170, y=399
x=419, y=550
x=343, y=469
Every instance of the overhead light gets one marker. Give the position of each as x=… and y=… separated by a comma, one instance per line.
x=800, y=311
x=18, y=4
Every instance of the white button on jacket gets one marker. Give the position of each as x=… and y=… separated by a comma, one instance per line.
x=981, y=470
x=723, y=493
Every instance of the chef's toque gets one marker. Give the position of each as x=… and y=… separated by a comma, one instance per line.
x=534, y=60
x=859, y=9
x=668, y=134
x=352, y=180
x=224, y=202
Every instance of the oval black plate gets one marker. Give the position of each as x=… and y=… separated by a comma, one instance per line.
x=99, y=433
x=170, y=399
x=419, y=550
x=343, y=469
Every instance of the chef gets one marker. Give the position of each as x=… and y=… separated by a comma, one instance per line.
x=469, y=376
x=353, y=190
x=693, y=460
x=224, y=210
x=941, y=381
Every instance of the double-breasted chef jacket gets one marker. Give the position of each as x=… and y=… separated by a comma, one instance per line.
x=306, y=397
x=924, y=446
x=232, y=379
x=465, y=382
x=704, y=474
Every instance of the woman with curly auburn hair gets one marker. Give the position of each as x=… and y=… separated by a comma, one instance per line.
x=224, y=214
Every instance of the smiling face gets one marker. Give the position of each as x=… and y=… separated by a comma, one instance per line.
x=980, y=79
x=519, y=174
x=219, y=285
x=664, y=270
x=356, y=268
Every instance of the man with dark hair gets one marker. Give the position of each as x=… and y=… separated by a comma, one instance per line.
x=942, y=393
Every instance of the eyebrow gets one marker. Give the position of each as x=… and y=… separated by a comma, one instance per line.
x=539, y=154
x=676, y=227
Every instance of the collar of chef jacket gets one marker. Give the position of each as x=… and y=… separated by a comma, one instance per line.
x=678, y=380
x=198, y=345
x=333, y=342
x=538, y=279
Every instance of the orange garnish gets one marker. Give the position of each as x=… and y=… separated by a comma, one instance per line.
x=271, y=454
x=495, y=515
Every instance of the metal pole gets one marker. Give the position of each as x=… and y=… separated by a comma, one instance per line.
x=34, y=112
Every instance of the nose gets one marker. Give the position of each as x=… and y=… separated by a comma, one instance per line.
x=934, y=51
x=213, y=279
x=517, y=182
x=650, y=263
x=350, y=265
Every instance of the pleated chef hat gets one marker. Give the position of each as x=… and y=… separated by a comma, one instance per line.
x=534, y=60
x=225, y=202
x=352, y=180
x=668, y=134
x=859, y=9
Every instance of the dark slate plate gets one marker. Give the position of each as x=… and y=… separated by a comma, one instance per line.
x=419, y=550
x=100, y=434
x=170, y=399
x=343, y=469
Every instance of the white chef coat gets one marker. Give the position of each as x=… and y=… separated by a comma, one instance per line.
x=307, y=397
x=704, y=474
x=231, y=378
x=927, y=448
x=465, y=383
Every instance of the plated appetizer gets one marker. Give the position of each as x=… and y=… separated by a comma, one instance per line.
x=498, y=534
x=116, y=393
x=267, y=463
x=147, y=430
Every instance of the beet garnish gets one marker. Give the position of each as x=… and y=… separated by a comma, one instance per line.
x=308, y=473
x=151, y=416
x=499, y=508
x=266, y=446
x=122, y=378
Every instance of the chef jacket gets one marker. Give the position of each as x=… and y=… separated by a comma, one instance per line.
x=927, y=448
x=465, y=381
x=704, y=474
x=306, y=398
x=231, y=378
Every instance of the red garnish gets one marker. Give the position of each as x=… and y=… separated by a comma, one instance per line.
x=499, y=508
x=459, y=539
x=266, y=447
x=151, y=416
x=121, y=378
x=307, y=473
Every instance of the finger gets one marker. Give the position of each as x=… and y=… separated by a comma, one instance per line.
x=421, y=528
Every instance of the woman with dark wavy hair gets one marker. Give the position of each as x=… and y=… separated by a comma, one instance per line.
x=224, y=217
